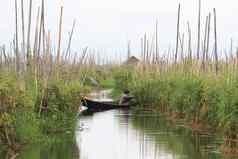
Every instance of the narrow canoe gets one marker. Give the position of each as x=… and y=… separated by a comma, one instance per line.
x=97, y=106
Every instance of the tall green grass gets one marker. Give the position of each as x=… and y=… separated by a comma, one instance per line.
x=20, y=121
x=198, y=98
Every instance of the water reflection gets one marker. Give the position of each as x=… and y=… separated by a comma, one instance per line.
x=119, y=134
x=124, y=135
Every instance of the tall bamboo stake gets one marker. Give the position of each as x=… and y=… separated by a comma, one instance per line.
x=23, y=28
x=152, y=53
x=16, y=41
x=4, y=54
x=59, y=35
x=46, y=73
x=199, y=29
x=156, y=42
x=36, y=33
x=182, y=47
x=204, y=46
x=142, y=49
x=177, y=39
x=231, y=49
x=43, y=26
x=189, y=42
x=48, y=53
x=215, y=36
x=147, y=52
x=29, y=33
x=145, y=47
x=128, y=50
x=208, y=36
x=39, y=38
x=70, y=39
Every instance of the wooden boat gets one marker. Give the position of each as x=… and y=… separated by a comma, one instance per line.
x=97, y=106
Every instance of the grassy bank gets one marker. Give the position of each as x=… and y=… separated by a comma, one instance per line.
x=203, y=100
x=31, y=113
x=40, y=85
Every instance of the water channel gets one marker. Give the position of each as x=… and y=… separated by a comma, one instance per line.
x=123, y=134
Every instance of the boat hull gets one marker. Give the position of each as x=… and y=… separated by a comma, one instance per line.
x=96, y=106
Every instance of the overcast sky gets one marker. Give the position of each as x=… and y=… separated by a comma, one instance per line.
x=107, y=25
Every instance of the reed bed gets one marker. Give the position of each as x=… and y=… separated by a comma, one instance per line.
x=40, y=90
x=205, y=101
x=199, y=87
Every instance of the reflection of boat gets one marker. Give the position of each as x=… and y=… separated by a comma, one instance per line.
x=96, y=106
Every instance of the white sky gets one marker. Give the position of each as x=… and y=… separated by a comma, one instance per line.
x=107, y=25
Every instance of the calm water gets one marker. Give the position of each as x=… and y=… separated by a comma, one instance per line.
x=121, y=134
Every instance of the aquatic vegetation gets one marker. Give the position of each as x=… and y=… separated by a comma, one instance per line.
x=206, y=102
x=20, y=119
x=40, y=89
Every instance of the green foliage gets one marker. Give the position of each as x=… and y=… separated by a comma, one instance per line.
x=27, y=126
x=107, y=84
x=122, y=78
x=146, y=91
x=63, y=100
x=201, y=98
x=20, y=103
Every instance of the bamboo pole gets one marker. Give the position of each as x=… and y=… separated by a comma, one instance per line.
x=177, y=39
x=189, y=42
x=39, y=38
x=70, y=39
x=29, y=33
x=152, y=54
x=128, y=50
x=208, y=37
x=204, y=46
x=23, y=28
x=231, y=48
x=46, y=75
x=215, y=38
x=59, y=35
x=145, y=47
x=147, y=52
x=199, y=30
x=142, y=49
x=16, y=41
x=43, y=27
x=182, y=47
x=83, y=57
x=4, y=54
x=37, y=60
x=156, y=43
x=48, y=53
x=36, y=33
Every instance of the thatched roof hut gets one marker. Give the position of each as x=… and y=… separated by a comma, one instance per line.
x=132, y=61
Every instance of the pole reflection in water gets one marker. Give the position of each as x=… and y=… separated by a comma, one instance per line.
x=119, y=134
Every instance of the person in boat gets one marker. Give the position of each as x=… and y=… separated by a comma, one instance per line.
x=125, y=98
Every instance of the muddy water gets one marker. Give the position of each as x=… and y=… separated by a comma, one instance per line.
x=120, y=134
